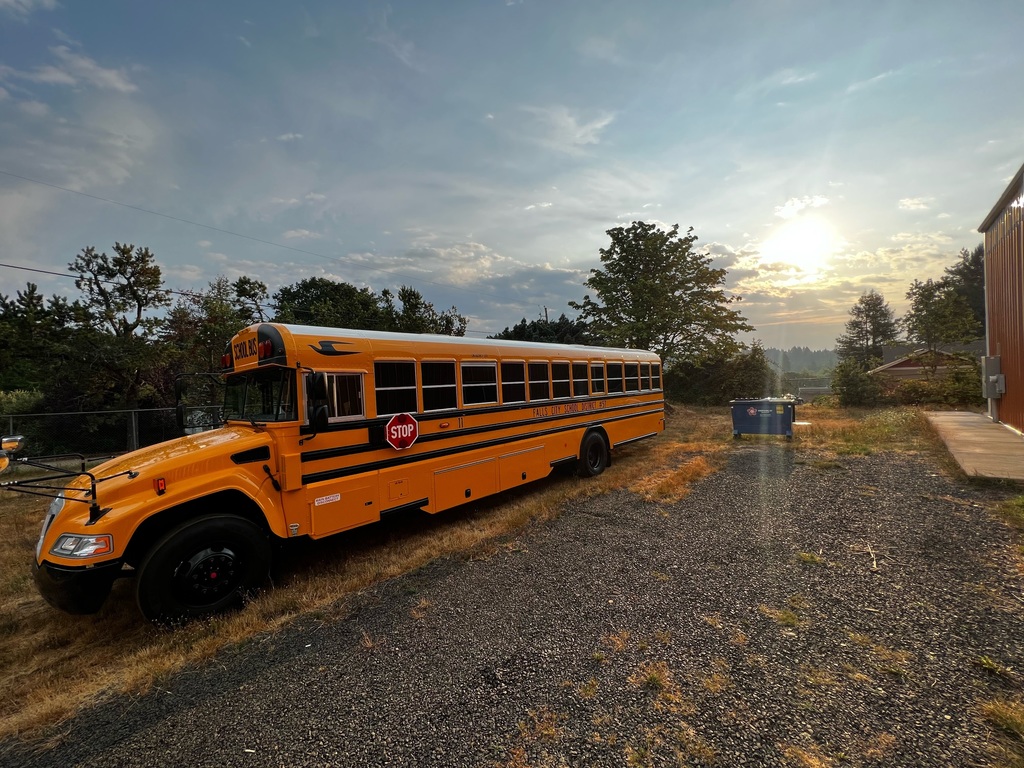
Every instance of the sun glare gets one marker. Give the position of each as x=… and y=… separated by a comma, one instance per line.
x=804, y=243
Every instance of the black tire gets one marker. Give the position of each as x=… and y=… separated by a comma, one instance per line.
x=593, y=455
x=204, y=566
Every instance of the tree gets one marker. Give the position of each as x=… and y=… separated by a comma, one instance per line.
x=115, y=324
x=560, y=331
x=28, y=322
x=319, y=301
x=967, y=279
x=418, y=315
x=658, y=293
x=938, y=315
x=854, y=385
x=871, y=325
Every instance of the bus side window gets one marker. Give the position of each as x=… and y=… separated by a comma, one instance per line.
x=655, y=376
x=561, y=384
x=645, y=375
x=395, y=387
x=580, y=383
x=597, y=378
x=632, y=377
x=540, y=386
x=344, y=396
x=513, y=382
x=615, y=378
x=479, y=383
x=440, y=392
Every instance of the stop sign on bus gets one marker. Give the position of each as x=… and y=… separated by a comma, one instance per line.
x=401, y=431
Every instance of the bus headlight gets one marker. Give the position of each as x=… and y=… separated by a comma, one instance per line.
x=73, y=545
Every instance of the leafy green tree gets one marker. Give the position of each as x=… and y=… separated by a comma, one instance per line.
x=560, y=331
x=32, y=331
x=716, y=381
x=115, y=324
x=938, y=315
x=967, y=278
x=872, y=324
x=319, y=301
x=853, y=385
x=656, y=292
x=418, y=315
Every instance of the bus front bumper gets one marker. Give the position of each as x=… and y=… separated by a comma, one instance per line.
x=76, y=590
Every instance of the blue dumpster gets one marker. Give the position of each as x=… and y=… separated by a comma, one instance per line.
x=767, y=416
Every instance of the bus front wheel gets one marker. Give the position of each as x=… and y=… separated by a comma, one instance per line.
x=204, y=566
x=593, y=455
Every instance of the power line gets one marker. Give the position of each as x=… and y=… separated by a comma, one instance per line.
x=271, y=243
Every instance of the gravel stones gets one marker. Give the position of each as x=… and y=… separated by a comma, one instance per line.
x=789, y=610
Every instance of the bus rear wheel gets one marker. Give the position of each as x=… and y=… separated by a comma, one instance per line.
x=203, y=567
x=593, y=455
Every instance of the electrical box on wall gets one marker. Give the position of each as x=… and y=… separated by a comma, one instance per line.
x=993, y=383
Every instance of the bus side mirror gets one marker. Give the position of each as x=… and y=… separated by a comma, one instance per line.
x=318, y=386
x=12, y=443
x=320, y=417
x=179, y=416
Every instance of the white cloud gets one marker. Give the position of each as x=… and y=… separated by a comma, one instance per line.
x=860, y=86
x=301, y=234
x=315, y=197
x=34, y=108
x=289, y=137
x=75, y=69
x=402, y=49
x=944, y=216
x=561, y=129
x=23, y=8
x=915, y=203
x=204, y=243
x=244, y=42
x=3, y=94
x=794, y=205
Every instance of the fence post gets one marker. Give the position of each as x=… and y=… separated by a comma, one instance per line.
x=133, y=431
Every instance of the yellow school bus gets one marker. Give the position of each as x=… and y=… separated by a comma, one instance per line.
x=324, y=430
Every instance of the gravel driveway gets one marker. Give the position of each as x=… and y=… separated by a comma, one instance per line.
x=790, y=611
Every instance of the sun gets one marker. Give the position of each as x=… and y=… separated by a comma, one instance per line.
x=804, y=243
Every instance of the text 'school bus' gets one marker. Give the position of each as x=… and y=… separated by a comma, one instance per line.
x=325, y=430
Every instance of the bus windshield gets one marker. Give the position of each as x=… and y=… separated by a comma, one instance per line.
x=263, y=395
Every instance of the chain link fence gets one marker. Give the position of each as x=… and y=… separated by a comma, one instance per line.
x=101, y=433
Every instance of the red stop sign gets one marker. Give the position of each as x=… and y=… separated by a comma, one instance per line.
x=401, y=431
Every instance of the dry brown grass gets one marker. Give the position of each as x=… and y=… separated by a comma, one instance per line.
x=51, y=665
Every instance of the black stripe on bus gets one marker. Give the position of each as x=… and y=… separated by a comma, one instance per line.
x=455, y=413
x=374, y=466
x=334, y=453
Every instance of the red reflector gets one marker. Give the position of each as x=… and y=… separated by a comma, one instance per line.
x=160, y=484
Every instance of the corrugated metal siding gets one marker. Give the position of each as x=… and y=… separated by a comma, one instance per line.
x=1004, y=282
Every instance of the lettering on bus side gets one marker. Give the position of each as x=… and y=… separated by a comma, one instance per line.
x=544, y=411
x=244, y=348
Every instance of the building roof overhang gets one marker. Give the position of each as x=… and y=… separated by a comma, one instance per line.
x=1013, y=191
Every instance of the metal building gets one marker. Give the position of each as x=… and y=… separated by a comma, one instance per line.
x=1003, y=368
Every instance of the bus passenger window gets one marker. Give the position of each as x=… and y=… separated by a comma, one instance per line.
x=440, y=392
x=579, y=380
x=513, y=382
x=615, y=378
x=645, y=375
x=655, y=376
x=479, y=383
x=560, y=380
x=395, y=387
x=632, y=377
x=597, y=378
x=540, y=386
x=344, y=396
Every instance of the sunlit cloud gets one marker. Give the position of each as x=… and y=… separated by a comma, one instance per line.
x=795, y=205
x=301, y=234
x=289, y=137
x=915, y=203
x=561, y=129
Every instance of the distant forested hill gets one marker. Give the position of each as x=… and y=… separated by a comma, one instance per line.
x=801, y=358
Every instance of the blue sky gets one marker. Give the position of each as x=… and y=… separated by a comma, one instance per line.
x=479, y=151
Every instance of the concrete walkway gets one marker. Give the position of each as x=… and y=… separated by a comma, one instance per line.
x=980, y=446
